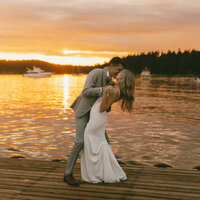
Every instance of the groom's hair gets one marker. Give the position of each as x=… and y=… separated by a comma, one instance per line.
x=116, y=61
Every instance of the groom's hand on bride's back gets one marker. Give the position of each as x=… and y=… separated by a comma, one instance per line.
x=107, y=88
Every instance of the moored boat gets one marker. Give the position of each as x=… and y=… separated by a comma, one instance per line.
x=145, y=74
x=36, y=72
x=197, y=79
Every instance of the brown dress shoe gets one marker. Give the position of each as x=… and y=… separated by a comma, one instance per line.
x=70, y=180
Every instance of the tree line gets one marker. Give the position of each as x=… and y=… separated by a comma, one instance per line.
x=170, y=63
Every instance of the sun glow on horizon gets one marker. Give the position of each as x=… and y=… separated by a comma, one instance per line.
x=94, y=52
x=62, y=60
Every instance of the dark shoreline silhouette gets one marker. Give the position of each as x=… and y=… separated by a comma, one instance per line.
x=170, y=63
x=131, y=162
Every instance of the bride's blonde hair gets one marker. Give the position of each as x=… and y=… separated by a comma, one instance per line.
x=127, y=88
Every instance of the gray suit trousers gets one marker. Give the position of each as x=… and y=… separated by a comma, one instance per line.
x=80, y=123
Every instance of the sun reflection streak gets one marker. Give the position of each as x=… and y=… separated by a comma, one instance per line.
x=8, y=136
x=65, y=90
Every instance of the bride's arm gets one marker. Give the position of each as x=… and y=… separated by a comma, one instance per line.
x=109, y=97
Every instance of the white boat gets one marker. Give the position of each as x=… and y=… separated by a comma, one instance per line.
x=197, y=79
x=145, y=75
x=36, y=72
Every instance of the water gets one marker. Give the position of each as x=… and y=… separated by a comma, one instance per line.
x=36, y=121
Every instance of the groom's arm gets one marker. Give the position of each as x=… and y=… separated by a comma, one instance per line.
x=89, y=87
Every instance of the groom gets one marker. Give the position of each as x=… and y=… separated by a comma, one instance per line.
x=97, y=82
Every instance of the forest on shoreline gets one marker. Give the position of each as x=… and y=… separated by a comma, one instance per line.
x=159, y=63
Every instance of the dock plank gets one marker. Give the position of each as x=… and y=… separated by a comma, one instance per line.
x=22, y=179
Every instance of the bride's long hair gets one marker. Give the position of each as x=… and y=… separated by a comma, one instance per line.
x=127, y=87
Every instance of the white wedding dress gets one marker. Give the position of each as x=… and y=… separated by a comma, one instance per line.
x=98, y=163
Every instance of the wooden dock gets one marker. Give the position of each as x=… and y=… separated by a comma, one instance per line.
x=22, y=179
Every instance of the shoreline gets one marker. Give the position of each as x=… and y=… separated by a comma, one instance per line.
x=129, y=162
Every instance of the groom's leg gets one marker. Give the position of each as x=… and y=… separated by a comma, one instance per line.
x=81, y=123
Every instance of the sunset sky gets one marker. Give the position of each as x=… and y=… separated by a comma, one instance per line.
x=93, y=31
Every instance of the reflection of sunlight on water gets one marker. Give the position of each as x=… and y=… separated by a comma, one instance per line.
x=50, y=147
x=8, y=136
x=65, y=91
x=37, y=122
x=16, y=154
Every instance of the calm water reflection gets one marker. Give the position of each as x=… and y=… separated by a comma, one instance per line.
x=36, y=121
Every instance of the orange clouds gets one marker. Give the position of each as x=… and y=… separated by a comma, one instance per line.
x=48, y=27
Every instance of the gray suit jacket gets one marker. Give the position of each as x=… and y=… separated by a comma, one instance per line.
x=95, y=80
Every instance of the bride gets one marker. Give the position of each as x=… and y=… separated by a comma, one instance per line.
x=98, y=163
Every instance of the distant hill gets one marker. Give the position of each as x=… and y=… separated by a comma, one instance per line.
x=20, y=67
